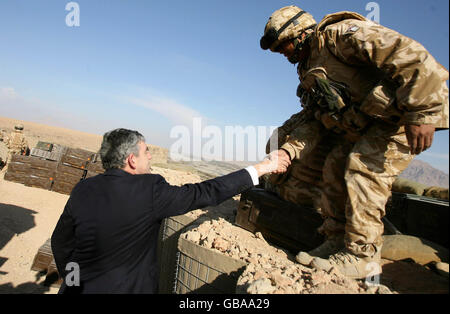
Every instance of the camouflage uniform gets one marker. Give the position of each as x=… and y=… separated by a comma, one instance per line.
x=16, y=143
x=348, y=156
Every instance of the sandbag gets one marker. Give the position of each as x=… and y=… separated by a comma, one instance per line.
x=402, y=185
x=436, y=192
x=400, y=247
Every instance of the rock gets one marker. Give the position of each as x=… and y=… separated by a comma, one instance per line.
x=442, y=269
x=304, y=258
x=378, y=289
x=279, y=280
x=193, y=236
x=259, y=274
x=261, y=286
x=252, y=260
x=221, y=244
x=382, y=289
x=320, y=277
x=259, y=235
x=204, y=228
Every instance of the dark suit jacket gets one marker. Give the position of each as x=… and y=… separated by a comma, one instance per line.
x=110, y=226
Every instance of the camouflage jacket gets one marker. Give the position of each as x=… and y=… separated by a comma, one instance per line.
x=385, y=75
x=17, y=143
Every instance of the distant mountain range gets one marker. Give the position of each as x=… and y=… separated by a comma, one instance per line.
x=424, y=173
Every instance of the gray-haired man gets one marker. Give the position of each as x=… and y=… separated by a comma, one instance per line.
x=110, y=224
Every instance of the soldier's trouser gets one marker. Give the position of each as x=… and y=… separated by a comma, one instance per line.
x=357, y=181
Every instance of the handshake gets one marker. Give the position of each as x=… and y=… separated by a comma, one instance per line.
x=276, y=162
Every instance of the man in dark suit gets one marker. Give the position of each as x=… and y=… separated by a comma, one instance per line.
x=106, y=237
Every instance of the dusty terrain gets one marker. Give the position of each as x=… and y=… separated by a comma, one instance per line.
x=29, y=215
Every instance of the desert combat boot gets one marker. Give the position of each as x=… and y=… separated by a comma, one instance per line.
x=329, y=247
x=350, y=265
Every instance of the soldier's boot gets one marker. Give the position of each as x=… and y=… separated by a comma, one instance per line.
x=329, y=247
x=350, y=265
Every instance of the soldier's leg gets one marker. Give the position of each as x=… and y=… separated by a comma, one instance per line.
x=332, y=201
x=334, y=193
x=373, y=165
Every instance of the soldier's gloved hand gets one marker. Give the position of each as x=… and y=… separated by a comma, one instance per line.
x=420, y=137
x=275, y=162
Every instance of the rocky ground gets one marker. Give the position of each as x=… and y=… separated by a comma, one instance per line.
x=271, y=269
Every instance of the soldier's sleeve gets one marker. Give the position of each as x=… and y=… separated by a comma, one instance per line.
x=281, y=134
x=422, y=93
x=303, y=138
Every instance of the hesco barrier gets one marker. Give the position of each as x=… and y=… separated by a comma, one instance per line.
x=170, y=231
x=205, y=271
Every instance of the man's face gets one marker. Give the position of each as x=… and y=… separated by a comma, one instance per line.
x=286, y=48
x=143, y=159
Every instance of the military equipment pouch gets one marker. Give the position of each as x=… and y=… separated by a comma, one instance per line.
x=380, y=103
x=330, y=95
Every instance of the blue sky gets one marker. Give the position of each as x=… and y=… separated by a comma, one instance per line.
x=152, y=65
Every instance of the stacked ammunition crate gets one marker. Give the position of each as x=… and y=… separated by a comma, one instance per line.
x=48, y=151
x=18, y=169
x=94, y=167
x=54, y=167
x=71, y=169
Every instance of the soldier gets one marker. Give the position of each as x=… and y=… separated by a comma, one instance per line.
x=16, y=143
x=372, y=100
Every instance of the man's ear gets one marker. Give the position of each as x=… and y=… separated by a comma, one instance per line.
x=131, y=161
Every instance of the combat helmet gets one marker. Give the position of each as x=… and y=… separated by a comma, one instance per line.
x=18, y=127
x=284, y=24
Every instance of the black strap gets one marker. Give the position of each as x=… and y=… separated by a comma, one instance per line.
x=290, y=22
